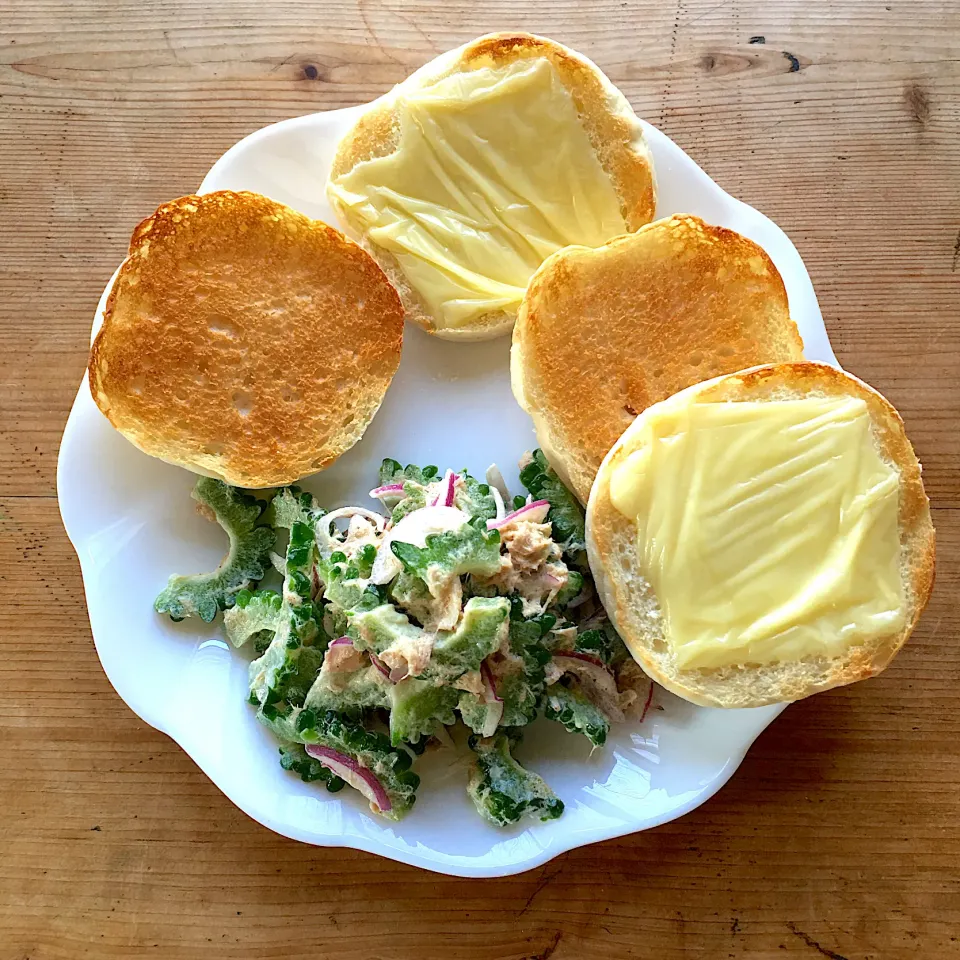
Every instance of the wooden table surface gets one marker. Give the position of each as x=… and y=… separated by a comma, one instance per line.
x=840, y=834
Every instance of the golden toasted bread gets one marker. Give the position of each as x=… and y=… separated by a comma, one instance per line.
x=245, y=341
x=603, y=333
x=634, y=606
x=612, y=129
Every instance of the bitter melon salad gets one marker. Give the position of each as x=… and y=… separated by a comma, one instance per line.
x=453, y=604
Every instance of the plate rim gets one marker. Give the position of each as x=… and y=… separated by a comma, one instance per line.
x=423, y=857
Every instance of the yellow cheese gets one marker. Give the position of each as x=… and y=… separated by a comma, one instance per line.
x=492, y=174
x=767, y=530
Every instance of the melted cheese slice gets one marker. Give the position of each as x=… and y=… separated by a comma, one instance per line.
x=767, y=530
x=492, y=174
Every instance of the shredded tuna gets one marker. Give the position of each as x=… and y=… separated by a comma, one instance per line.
x=408, y=656
x=538, y=592
x=360, y=532
x=529, y=544
x=505, y=664
x=531, y=566
x=291, y=597
x=206, y=511
x=447, y=594
x=342, y=658
x=471, y=682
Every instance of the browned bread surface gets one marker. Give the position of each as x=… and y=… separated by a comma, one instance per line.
x=603, y=333
x=244, y=340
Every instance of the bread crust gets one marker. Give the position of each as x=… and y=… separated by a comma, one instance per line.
x=608, y=120
x=603, y=333
x=633, y=607
x=245, y=341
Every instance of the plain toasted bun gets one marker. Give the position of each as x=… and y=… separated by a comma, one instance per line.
x=245, y=341
x=603, y=333
x=607, y=118
x=634, y=608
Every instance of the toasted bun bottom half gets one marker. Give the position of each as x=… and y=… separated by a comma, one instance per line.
x=245, y=341
x=603, y=333
x=608, y=119
x=634, y=607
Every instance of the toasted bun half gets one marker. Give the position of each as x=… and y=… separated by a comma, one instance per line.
x=603, y=333
x=244, y=341
x=607, y=118
x=635, y=609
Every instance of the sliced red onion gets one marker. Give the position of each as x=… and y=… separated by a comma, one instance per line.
x=490, y=686
x=340, y=641
x=354, y=773
x=414, y=528
x=551, y=673
x=496, y=482
x=399, y=673
x=646, y=705
x=492, y=719
x=386, y=491
x=381, y=666
x=498, y=500
x=535, y=512
x=445, y=497
x=586, y=657
x=377, y=519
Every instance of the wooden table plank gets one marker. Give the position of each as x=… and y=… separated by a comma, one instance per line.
x=839, y=834
x=841, y=824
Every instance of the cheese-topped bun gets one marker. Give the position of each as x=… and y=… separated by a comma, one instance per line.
x=467, y=175
x=763, y=536
x=604, y=333
x=245, y=341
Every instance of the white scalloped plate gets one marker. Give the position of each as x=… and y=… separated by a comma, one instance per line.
x=132, y=523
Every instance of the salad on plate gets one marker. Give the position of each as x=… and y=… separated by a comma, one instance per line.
x=376, y=635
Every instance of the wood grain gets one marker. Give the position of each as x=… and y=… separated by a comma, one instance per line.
x=838, y=836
